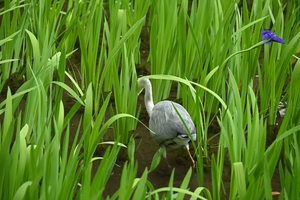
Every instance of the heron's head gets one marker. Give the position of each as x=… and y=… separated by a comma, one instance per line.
x=141, y=85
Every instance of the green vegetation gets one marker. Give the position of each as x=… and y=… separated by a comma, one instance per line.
x=212, y=50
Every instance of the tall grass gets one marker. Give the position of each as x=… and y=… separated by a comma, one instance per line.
x=123, y=44
x=211, y=50
x=12, y=39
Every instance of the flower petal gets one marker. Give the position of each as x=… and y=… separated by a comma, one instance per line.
x=272, y=37
x=265, y=37
x=277, y=39
x=265, y=32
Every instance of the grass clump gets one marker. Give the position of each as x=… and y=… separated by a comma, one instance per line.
x=87, y=52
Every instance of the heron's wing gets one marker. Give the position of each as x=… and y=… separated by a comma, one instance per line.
x=167, y=125
x=185, y=117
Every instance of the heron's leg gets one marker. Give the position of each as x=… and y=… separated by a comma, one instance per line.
x=169, y=166
x=188, y=150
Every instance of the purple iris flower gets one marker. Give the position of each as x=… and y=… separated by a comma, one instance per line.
x=268, y=35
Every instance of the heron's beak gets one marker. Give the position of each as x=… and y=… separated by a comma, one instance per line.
x=140, y=86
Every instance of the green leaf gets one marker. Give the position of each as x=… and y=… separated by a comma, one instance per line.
x=69, y=90
x=21, y=192
x=113, y=142
x=239, y=179
x=35, y=49
x=8, y=60
x=185, y=183
x=156, y=160
x=140, y=184
x=9, y=38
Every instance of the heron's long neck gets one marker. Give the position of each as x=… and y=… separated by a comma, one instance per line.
x=148, y=97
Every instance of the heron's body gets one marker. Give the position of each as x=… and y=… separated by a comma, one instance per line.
x=167, y=126
x=167, y=129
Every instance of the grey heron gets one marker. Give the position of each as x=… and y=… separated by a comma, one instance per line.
x=167, y=129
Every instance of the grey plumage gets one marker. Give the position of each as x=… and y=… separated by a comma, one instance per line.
x=166, y=127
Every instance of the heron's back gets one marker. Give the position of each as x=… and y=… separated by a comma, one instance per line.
x=166, y=124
